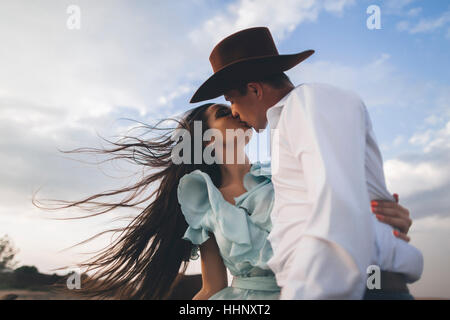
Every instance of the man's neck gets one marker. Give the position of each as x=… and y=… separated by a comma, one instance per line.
x=278, y=95
x=284, y=92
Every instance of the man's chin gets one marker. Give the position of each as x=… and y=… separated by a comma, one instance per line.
x=259, y=128
x=245, y=125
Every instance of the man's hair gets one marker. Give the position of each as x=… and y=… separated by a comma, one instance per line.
x=277, y=80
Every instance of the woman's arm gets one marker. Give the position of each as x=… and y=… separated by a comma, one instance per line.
x=214, y=272
x=395, y=215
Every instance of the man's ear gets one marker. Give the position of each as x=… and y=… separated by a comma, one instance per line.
x=255, y=88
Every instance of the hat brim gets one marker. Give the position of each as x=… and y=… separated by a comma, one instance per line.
x=247, y=69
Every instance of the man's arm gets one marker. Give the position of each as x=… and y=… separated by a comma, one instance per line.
x=386, y=206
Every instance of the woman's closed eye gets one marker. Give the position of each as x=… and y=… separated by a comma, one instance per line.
x=223, y=112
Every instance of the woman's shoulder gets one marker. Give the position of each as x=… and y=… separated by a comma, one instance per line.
x=196, y=189
x=206, y=210
x=196, y=194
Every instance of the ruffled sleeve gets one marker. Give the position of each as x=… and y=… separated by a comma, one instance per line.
x=206, y=211
x=261, y=169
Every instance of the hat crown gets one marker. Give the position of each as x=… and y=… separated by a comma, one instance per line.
x=245, y=44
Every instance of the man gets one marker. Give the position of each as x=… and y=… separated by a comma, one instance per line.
x=326, y=167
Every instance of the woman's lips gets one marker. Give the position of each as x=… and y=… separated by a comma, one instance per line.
x=245, y=124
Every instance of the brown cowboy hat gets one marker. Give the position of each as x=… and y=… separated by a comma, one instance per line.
x=245, y=56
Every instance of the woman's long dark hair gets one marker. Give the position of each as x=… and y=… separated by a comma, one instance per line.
x=144, y=261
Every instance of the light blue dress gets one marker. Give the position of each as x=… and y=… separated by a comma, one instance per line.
x=240, y=230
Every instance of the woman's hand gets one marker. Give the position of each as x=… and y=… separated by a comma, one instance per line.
x=394, y=215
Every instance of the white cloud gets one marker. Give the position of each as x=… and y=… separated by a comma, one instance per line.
x=432, y=139
x=414, y=12
x=282, y=17
x=408, y=179
x=337, y=6
x=122, y=56
x=403, y=26
x=378, y=75
x=440, y=141
x=423, y=179
x=433, y=119
x=423, y=176
x=398, y=141
x=430, y=235
x=396, y=6
x=180, y=91
x=427, y=224
x=425, y=25
x=421, y=138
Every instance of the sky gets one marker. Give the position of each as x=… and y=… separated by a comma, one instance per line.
x=62, y=88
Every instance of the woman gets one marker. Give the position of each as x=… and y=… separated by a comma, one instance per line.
x=223, y=209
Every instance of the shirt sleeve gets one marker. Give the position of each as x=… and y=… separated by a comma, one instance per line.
x=376, y=182
x=393, y=254
x=327, y=137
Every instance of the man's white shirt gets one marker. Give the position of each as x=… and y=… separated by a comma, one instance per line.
x=326, y=167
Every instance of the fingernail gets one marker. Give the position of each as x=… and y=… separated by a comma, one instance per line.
x=396, y=197
x=374, y=203
x=379, y=217
x=396, y=233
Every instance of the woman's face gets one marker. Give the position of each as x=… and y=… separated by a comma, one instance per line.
x=220, y=118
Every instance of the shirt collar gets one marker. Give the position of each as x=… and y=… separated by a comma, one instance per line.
x=274, y=112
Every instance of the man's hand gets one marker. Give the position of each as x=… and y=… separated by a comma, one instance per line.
x=394, y=215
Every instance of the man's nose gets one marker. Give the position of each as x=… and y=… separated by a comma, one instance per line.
x=234, y=113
